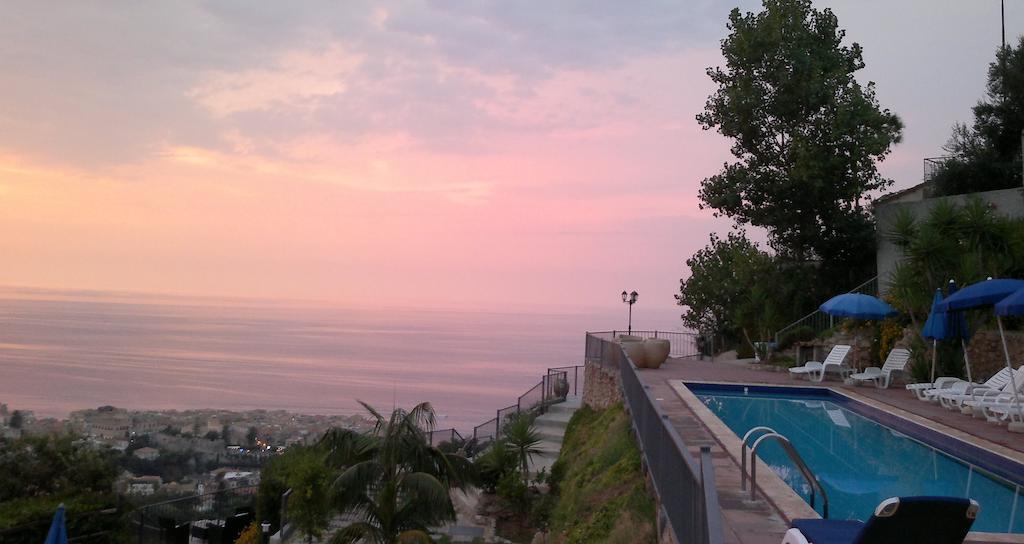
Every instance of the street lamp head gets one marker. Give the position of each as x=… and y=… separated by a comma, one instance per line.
x=625, y=296
x=632, y=297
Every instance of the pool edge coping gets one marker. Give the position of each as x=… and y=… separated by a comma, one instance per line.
x=782, y=497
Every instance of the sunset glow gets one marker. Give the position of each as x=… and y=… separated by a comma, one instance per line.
x=420, y=154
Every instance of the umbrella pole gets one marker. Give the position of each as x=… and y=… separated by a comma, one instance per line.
x=935, y=353
x=1006, y=352
x=967, y=361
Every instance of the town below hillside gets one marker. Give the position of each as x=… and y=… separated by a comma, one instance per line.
x=168, y=453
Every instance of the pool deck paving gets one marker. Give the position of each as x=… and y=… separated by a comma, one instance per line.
x=760, y=521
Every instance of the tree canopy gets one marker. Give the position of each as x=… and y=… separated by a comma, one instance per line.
x=806, y=134
x=987, y=154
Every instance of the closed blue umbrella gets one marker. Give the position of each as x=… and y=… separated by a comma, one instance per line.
x=58, y=528
x=943, y=325
x=936, y=327
x=857, y=306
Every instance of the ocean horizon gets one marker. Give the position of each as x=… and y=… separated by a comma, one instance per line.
x=67, y=350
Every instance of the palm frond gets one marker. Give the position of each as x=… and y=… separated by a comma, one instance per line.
x=360, y=531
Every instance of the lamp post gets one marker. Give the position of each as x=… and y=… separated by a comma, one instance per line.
x=266, y=532
x=630, y=298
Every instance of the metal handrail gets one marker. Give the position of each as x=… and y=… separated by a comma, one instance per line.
x=800, y=321
x=787, y=446
x=743, y=453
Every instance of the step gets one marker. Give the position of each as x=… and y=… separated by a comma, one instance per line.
x=556, y=416
x=551, y=437
x=562, y=408
x=550, y=423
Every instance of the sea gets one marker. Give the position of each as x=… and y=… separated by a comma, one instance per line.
x=66, y=350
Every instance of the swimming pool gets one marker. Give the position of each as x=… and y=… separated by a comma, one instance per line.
x=862, y=455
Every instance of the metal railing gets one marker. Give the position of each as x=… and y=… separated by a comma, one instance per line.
x=683, y=344
x=933, y=165
x=233, y=508
x=553, y=387
x=794, y=457
x=685, y=486
x=819, y=321
x=451, y=436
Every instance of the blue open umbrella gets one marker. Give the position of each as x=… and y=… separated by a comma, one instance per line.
x=1011, y=305
x=977, y=295
x=58, y=528
x=857, y=306
x=983, y=293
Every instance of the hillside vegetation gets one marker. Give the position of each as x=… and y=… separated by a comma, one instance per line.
x=599, y=484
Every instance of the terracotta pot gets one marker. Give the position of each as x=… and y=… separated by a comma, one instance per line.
x=656, y=351
x=635, y=351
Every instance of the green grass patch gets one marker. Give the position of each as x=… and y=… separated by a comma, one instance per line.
x=600, y=484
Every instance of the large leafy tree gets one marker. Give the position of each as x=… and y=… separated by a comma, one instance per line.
x=721, y=276
x=396, y=484
x=806, y=134
x=987, y=154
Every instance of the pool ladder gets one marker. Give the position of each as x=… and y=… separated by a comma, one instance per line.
x=787, y=446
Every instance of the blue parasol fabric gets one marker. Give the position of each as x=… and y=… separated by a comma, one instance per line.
x=983, y=293
x=1011, y=305
x=58, y=528
x=943, y=325
x=857, y=306
x=937, y=325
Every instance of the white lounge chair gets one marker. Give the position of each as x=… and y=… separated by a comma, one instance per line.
x=895, y=362
x=996, y=406
x=956, y=386
x=954, y=396
x=1010, y=412
x=919, y=389
x=816, y=371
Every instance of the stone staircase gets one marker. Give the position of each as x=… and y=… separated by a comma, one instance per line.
x=551, y=428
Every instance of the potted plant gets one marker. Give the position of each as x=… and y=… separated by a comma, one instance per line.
x=561, y=387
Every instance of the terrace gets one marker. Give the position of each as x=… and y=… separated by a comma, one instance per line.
x=765, y=521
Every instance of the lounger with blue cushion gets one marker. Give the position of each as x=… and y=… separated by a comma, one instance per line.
x=935, y=520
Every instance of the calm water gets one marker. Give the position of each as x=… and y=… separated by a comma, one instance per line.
x=860, y=462
x=65, y=351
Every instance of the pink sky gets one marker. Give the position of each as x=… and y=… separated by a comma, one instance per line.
x=419, y=154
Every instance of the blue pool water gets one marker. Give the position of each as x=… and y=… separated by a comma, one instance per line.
x=860, y=461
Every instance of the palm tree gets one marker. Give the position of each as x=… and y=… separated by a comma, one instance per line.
x=522, y=438
x=395, y=483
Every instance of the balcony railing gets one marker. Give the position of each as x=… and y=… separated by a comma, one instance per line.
x=685, y=486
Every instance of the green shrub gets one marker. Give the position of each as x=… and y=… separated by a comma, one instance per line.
x=515, y=493
x=600, y=483
x=744, y=350
x=784, y=361
x=494, y=464
x=803, y=333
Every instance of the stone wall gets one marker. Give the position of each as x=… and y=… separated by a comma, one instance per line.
x=986, y=353
x=601, y=386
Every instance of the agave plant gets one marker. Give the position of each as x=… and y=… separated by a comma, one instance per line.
x=396, y=485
